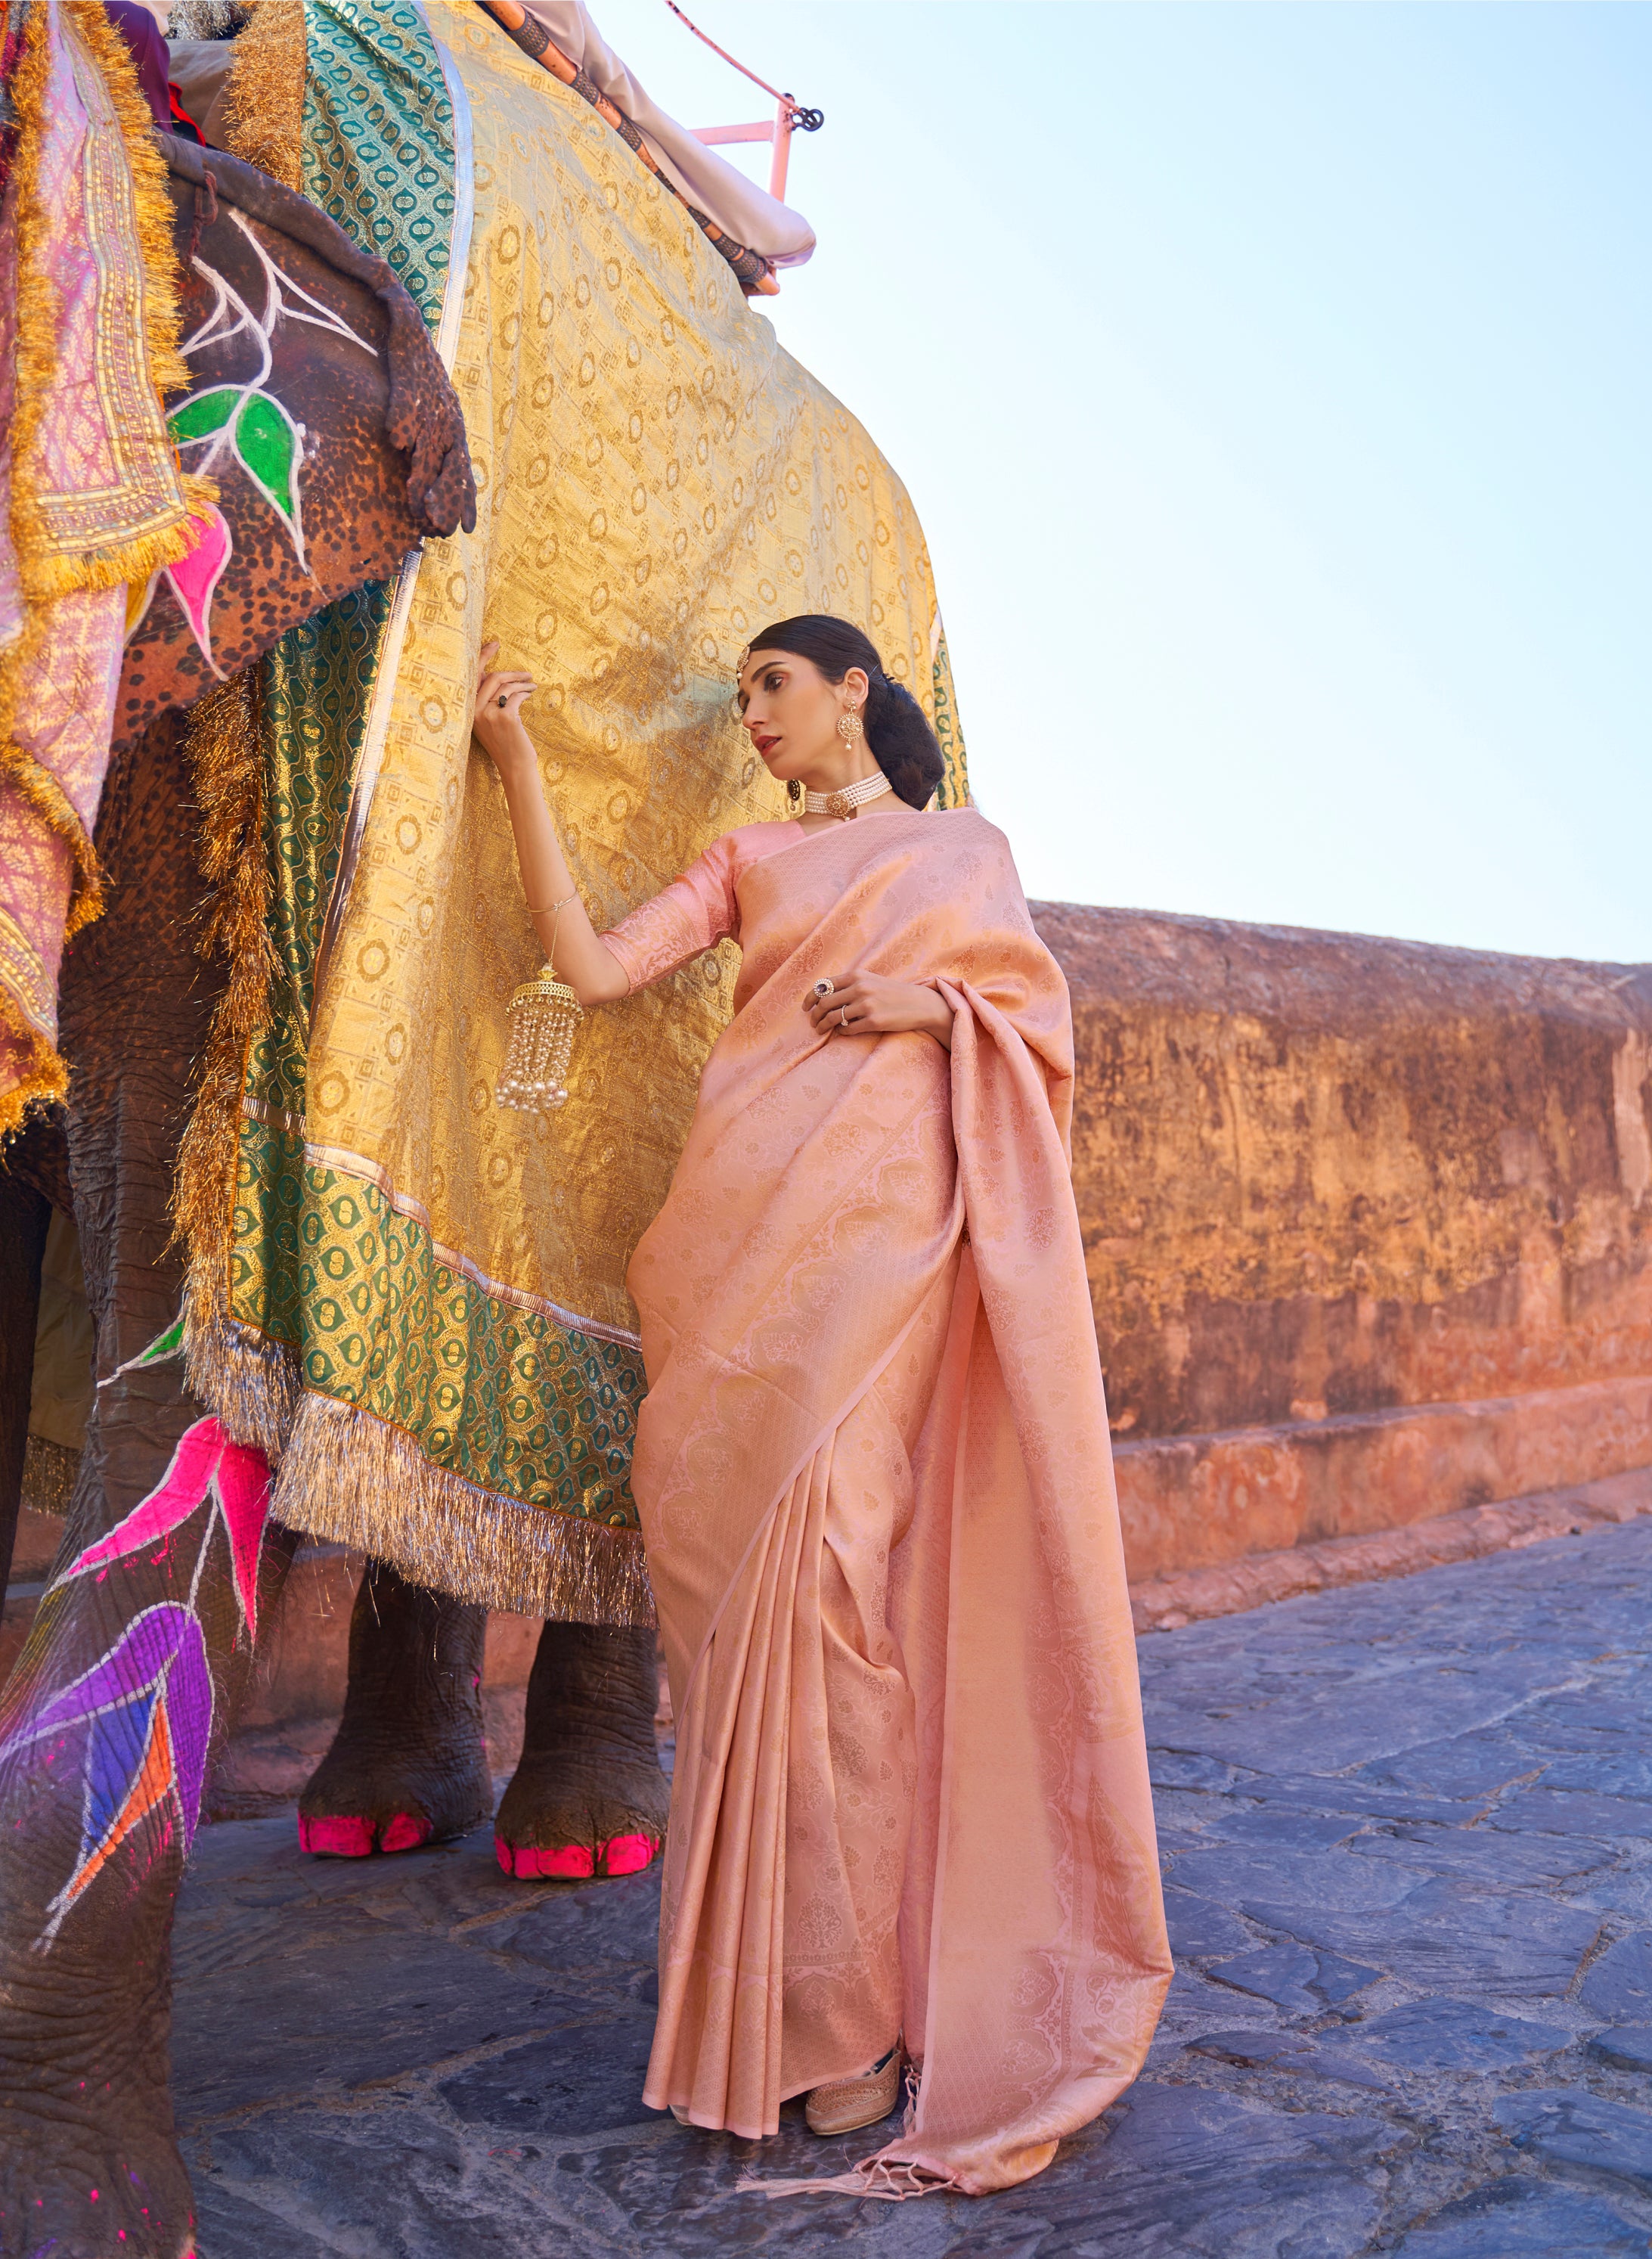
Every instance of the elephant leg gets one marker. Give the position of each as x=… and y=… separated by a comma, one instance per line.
x=24, y=1215
x=589, y=1795
x=143, y=1641
x=408, y=1764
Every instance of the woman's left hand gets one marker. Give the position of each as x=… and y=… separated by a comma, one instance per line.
x=862, y=1004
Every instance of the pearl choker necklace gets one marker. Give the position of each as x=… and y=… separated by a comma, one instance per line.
x=850, y=800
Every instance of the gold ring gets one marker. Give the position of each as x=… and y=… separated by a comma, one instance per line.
x=824, y=987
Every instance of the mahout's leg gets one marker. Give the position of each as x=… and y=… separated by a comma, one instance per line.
x=144, y=1641
x=408, y=1764
x=589, y=1796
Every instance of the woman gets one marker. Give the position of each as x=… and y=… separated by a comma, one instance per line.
x=911, y=1806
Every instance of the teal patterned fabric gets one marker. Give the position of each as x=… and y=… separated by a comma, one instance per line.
x=378, y=138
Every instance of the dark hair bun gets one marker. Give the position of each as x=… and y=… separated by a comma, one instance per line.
x=902, y=742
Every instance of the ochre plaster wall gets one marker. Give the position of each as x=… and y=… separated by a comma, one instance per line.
x=1367, y=1223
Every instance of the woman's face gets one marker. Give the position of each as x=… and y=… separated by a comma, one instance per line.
x=791, y=712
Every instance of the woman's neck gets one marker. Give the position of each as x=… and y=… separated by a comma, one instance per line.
x=834, y=771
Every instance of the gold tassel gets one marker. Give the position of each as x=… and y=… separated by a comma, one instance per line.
x=544, y=1014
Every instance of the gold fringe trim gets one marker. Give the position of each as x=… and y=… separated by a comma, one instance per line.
x=223, y=738
x=264, y=102
x=49, y=1474
x=354, y=1478
x=45, y=1077
x=248, y=1380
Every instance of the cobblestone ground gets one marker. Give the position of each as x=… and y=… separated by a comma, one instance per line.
x=1405, y=1830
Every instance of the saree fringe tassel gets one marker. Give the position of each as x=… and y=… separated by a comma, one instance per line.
x=871, y=2178
x=350, y=1477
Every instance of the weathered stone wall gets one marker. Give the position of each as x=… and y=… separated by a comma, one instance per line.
x=1368, y=1225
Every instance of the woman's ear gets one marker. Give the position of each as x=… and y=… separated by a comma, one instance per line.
x=856, y=682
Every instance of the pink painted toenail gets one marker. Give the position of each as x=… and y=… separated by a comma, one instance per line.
x=340, y=1835
x=628, y=1854
x=571, y=1863
x=404, y=1833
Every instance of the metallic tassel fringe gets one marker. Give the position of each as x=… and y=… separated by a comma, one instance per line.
x=49, y=1471
x=250, y=1382
x=354, y=1478
x=265, y=105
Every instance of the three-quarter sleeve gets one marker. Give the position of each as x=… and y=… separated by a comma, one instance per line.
x=681, y=922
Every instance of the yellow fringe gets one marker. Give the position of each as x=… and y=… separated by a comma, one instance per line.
x=45, y=1077
x=250, y=1380
x=264, y=104
x=225, y=741
x=364, y=1483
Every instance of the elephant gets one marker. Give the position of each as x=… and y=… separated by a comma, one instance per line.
x=170, y=1566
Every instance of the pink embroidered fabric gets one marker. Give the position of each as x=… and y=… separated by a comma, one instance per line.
x=699, y=909
x=875, y=1482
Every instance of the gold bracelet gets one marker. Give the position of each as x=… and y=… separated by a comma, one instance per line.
x=555, y=920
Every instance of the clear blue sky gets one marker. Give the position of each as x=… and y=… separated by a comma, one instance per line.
x=1274, y=383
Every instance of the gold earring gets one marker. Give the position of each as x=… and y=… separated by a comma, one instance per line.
x=849, y=726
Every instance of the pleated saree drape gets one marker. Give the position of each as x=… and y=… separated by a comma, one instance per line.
x=875, y=1485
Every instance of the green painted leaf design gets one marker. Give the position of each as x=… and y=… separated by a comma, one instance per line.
x=207, y=413
x=267, y=441
x=165, y=1345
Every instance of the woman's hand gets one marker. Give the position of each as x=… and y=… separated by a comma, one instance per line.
x=862, y=1004
x=497, y=721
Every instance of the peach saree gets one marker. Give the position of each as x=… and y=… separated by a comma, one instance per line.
x=876, y=1489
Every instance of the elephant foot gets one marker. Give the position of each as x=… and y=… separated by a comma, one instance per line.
x=408, y=1764
x=354, y=1835
x=589, y=1797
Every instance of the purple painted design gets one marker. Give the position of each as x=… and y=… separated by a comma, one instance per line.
x=148, y=1707
x=206, y=1464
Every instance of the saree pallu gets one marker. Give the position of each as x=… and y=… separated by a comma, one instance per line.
x=875, y=1484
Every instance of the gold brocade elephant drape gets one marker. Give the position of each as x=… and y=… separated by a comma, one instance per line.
x=430, y=1288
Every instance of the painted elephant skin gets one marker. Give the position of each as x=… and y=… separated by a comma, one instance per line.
x=319, y=406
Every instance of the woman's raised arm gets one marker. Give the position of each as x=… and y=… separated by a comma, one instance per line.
x=591, y=969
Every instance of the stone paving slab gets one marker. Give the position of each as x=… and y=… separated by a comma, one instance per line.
x=1408, y=1839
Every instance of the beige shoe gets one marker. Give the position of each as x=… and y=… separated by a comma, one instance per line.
x=849, y=2104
